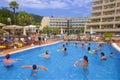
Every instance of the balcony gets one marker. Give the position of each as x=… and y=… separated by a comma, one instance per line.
x=97, y=5
x=108, y=9
x=108, y=16
x=118, y=1
x=93, y=23
x=107, y=23
x=109, y=3
x=104, y=30
x=118, y=8
x=95, y=0
x=117, y=15
x=96, y=11
x=117, y=22
x=95, y=17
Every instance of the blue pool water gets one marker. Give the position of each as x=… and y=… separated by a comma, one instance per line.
x=60, y=66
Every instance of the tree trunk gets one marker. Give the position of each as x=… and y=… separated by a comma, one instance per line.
x=14, y=16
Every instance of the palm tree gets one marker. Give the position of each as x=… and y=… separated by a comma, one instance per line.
x=14, y=5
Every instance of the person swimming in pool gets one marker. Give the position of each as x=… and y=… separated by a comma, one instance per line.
x=92, y=51
x=103, y=57
x=100, y=46
x=35, y=68
x=84, y=60
x=47, y=55
x=63, y=46
x=59, y=50
x=65, y=50
x=8, y=62
x=82, y=45
x=111, y=54
x=75, y=44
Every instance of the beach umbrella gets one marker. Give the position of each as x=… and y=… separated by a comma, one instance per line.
x=12, y=27
x=31, y=27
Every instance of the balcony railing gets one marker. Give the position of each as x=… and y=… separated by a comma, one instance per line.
x=107, y=23
x=107, y=16
x=108, y=9
x=104, y=30
x=97, y=5
x=96, y=11
x=95, y=17
x=94, y=23
x=109, y=3
x=95, y=0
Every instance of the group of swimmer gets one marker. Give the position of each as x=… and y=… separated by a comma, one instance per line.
x=95, y=51
x=9, y=62
x=64, y=49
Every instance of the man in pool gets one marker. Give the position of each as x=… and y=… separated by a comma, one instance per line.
x=92, y=51
x=65, y=50
x=82, y=45
x=111, y=54
x=8, y=62
x=103, y=57
x=35, y=68
x=47, y=55
x=84, y=60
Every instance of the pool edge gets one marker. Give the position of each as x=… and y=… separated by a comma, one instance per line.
x=14, y=52
x=116, y=46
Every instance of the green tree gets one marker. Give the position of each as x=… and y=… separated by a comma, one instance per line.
x=14, y=5
x=108, y=35
x=81, y=29
x=55, y=30
x=24, y=18
x=4, y=14
x=72, y=31
x=1, y=32
x=47, y=30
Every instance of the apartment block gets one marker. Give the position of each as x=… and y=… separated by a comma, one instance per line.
x=105, y=17
x=71, y=23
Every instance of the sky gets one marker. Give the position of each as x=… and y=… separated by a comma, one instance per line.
x=58, y=8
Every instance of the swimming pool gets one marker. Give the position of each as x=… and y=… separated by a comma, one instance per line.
x=61, y=66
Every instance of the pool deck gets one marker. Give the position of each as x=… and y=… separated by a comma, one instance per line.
x=7, y=51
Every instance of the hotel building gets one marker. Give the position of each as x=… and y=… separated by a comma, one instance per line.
x=73, y=24
x=105, y=17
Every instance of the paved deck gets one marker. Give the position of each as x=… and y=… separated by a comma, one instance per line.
x=7, y=51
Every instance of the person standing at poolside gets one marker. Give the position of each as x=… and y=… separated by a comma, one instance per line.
x=8, y=62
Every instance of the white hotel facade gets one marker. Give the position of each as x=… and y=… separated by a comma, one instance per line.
x=105, y=17
x=65, y=23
